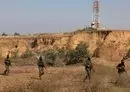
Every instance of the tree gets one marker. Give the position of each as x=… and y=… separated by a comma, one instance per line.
x=16, y=34
x=4, y=34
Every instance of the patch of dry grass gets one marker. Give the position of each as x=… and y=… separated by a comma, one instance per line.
x=63, y=79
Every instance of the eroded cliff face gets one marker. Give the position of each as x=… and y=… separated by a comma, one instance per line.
x=115, y=46
x=110, y=45
x=19, y=45
x=12, y=44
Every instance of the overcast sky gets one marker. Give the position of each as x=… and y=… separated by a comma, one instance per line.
x=33, y=16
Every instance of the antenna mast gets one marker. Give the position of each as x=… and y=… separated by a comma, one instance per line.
x=95, y=17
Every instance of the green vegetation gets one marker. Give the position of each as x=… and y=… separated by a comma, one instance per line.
x=59, y=57
x=54, y=57
x=4, y=34
x=16, y=34
x=50, y=57
x=28, y=53
x=76, y=55
x=15, y=54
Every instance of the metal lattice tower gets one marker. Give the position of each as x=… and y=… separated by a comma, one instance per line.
x=95, y=18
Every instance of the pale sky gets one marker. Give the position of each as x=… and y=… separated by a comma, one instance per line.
x=33, y=16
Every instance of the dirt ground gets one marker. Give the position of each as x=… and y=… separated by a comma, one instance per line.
x=61, y=79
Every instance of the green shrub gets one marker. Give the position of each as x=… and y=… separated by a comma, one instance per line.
x=82, y=50
x=71, y=57
x=54, y=57
x=15, y=54
x=28, y=53
x=76, y=55
x=16, y=34
x=50, y=57
x=61, y=53
x=4, y=34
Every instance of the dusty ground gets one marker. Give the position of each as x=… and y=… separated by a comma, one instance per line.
x=20, y=76
x=60, y=79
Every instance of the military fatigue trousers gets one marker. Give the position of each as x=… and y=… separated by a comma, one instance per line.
x=6, y=72
x=41, y=71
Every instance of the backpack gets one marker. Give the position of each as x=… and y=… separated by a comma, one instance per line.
x=40, y=63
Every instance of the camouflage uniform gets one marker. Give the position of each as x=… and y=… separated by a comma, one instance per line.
x=41, y=66
x=88, y=68
x=121, y=68
x=7, y=64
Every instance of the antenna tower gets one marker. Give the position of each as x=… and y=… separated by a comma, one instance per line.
x=95, y=17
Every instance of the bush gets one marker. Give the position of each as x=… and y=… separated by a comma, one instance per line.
x=50, y=57
x=82, y=50
x=71, y=57
x=76, y=55
x=4, y=34
x=27, y=54
x=16, y=34
x=15, y=54
x=61, y=53
x=54, y=57
x=57, y=57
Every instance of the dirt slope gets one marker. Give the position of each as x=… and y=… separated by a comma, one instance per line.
x=110, y=45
